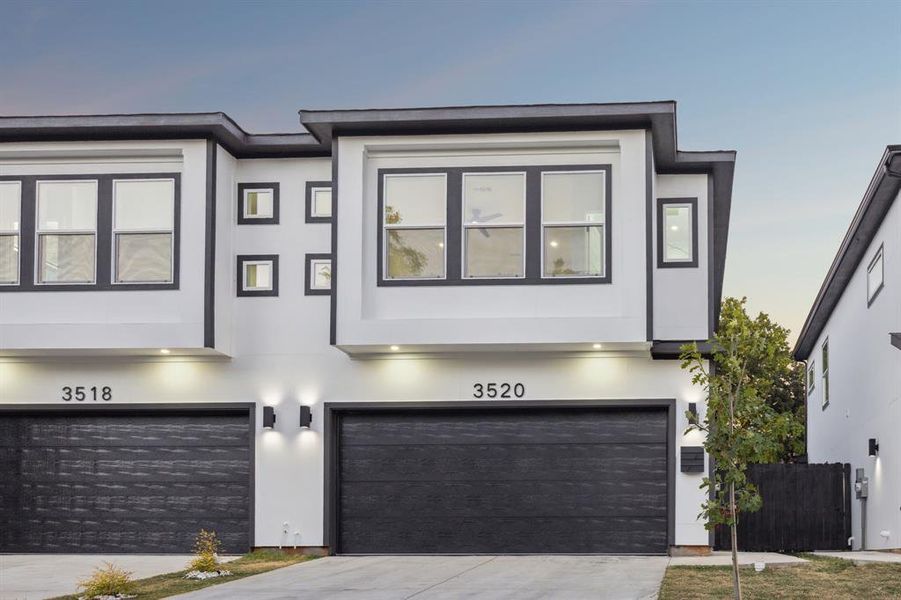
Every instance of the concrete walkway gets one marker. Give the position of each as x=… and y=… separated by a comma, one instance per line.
x=452, y=577
x=861, y=557
x=724, y=559
x=35, y=576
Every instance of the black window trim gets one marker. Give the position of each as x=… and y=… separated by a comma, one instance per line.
x=308, y=289
x=309, y=217
x=239, y=282
x=533, y=227
x=104, y=279
x=662, y=263
x=252, y=185
x=811, y=376
x=880, y=253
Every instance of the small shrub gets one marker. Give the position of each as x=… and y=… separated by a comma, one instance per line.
x=206, y=552
x=108, y=580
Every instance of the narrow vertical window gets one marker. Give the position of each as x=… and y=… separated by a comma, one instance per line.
x=677, y=231
x=494, y=216
x=414, y=219
x=824, y=360
x=811, y=377
x=875, y=276
x=143, y=230
x=67, y=231
x=10, y=226
x=574, y=223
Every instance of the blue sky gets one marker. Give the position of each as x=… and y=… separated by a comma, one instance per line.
x=808, y=93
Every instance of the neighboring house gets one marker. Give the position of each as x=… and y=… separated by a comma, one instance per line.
x=852, y=346
x=440, y=330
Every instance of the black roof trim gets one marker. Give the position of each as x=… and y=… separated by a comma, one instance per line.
x=659, y=117
x=876, y=202
x=672, y=349
x=896, y=340
x=217, y=126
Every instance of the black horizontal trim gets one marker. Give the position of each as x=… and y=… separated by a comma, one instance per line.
x=877, y=200
x=671, y=349
x=168, y=126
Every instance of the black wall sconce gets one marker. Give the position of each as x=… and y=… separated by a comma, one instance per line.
x=873, y=447
x=693, y=411
x=268, y=417
x=306, y=417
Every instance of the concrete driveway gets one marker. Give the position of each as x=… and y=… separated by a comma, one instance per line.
x=451, y=577
x=35, y=576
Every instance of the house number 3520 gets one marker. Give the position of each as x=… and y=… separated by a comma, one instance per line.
x=498, y=390
x=81, y=393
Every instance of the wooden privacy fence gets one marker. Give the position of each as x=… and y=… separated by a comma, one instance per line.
x=805, y=507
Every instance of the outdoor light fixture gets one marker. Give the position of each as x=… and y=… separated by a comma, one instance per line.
x=164, y=351
x=395, y=348
x=874, y=447
x=596, y=346
x=268, y=417
x=693, y=409
x=306, y=417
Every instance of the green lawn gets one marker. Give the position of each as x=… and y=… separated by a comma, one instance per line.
x=822, y=578
x=170, y=584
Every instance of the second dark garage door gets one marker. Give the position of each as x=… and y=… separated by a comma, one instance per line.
x=136, y=480
x=572, y=480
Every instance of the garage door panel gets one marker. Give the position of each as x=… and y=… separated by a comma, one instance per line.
x=142, y=430
x=531, y=462
x=501, y=536
x=502, y=499
x=490, y=427
x=541, y=480
x=123, y=482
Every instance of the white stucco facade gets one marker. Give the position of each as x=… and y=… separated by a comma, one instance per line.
x=586, y=341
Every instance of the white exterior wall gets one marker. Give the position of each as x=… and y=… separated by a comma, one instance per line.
x=279, y=346
x=51, y=320
x=864, y=389
x=506, y=314
x=681, y=311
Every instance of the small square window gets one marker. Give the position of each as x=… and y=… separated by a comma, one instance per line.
x=258, y=203
x=875, y=276
x=677, y=232
x=319, y=202
x=318, y=279
x=258, y=275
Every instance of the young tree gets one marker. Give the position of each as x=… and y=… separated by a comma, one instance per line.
x=741, y=425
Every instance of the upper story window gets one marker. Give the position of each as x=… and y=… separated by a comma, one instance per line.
x=318, y=274
x=494, y=215
x=258, y=203
x=677, y=232
x=143, y=230
x=811, y=377
x=495, y=225
x=573, y=221
x=318, y=202
x=258, y=275
x=824, y=360
x=67, y=231
x=415, y=221
x=875, y=276
x=10, y=219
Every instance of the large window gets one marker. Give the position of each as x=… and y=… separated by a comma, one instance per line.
x=824, y=360
x=143, y=226
x=875, y=276
x=67, y=231
x=494, y=214
x=677, y=232
x=10, y=219
x=414, y=217
x=573, y=221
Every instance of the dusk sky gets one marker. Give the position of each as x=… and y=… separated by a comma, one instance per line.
x=808, y=93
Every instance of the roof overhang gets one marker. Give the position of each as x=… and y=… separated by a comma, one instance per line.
x=216, y=126
x=658, y=117
x=896, y=340
x=877, y=201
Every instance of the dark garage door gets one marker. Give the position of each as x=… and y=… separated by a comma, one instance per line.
x=88, y=481
x=502, y=481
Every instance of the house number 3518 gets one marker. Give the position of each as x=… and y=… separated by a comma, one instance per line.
x=92, y=394
x=498, y=390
